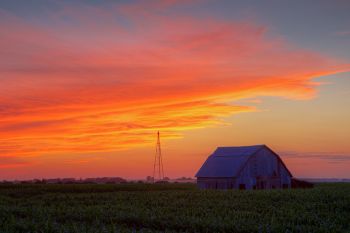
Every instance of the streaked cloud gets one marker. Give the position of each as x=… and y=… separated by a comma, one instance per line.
x=93, y=79
x=343, y=33
x=330, y=157
x=11, y=162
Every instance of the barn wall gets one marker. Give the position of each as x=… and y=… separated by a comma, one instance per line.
x=286, y=179
x=215, y=183
x=267, y=163
x=264, y=170
x=246, y=177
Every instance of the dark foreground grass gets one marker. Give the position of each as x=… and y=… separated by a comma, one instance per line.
x=171, y=208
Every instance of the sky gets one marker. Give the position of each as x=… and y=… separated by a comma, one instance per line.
x=85, y=85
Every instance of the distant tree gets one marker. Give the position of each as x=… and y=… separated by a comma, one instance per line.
x=162, y=182
x=149, y=179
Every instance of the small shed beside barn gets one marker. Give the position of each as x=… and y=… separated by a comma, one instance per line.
x=244, y=167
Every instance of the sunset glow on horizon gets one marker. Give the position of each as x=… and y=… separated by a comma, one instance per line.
x=85, y=86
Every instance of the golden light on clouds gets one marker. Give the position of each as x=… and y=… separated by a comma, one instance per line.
x=66, y=90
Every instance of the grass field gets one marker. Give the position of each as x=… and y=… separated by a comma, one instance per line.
x=171, y=208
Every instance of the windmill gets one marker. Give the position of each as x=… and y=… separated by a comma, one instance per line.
x=158, y=170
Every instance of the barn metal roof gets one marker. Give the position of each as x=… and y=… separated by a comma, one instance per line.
x=227, y=161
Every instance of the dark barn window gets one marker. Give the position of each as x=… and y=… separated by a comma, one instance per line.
x=285, y=186
x=241, y=186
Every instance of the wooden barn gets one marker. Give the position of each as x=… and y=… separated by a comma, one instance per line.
x=244, y=167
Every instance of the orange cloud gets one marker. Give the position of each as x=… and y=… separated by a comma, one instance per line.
x=11, y=162
x=108, y=84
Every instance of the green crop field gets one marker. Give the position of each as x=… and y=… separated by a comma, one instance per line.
x=171, y=208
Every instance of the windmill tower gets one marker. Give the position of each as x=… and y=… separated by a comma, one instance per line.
x=158, y=170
